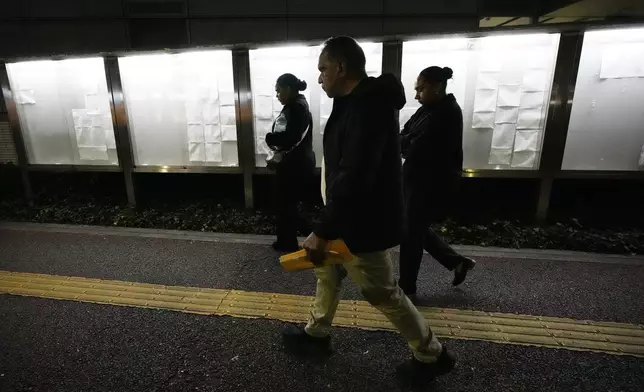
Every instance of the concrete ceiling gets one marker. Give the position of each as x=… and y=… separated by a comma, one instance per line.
x=571, y=11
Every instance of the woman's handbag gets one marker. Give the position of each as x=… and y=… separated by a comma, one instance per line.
x=274, y=158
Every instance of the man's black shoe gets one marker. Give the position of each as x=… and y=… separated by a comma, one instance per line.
x=300, y=342
x=415, y=371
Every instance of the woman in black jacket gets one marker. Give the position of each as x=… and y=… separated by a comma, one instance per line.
x=291, y=139
x=432, y=147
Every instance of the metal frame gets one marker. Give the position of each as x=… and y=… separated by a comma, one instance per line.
x=245, y=127
x=74, y=168
x=604, y=174
x=556, y=129
x=392, y=57
x=490, y=173
x=121, y=128
x=16, y=132
x=188, y=169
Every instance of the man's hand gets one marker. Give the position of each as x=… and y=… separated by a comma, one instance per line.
x=315, y=249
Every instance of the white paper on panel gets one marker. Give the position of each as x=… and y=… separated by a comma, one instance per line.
x=535, y=80
x=226, y=98
x=213, y=152
x=212, y=133
x=263, y=107
x=263, y=127
x=529, y=119
x=227, y=115
x=197, y=152
x=25, y=97
x=624, y=60
x=230, y=154
x=323, y=121
x=83, y=136
x=261, y=148
x=264, y=86
x=96, y=118
x=491, y=63
x=97, y=101
x=194, y=114
x=93, y=153
x=81, y=118
x=107, y=121
x=277, y=105
x=525, y=159
x=538, y=58
x=500, y=157
x=326, y=105
x=229, y=133
x=526, y=140
x=532, y=100
x=97, y=137
x=210, y=113
x=307, y=95
x=90, y=87
x=487, y=81
x=509, y=95
x=483, y=120
x=110, y=142
x=485, y=101
x=212, y=96
x=506, y=115
x=196, y=133
x=196, y=93
x=503, y=136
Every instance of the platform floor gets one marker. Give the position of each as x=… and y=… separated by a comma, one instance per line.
x=102, y=309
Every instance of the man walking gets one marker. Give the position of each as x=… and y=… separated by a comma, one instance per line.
x=364, y=206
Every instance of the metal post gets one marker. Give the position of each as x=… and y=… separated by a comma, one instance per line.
x=556, y=130
x=121, y=127
x=16, y=132
x=392, y=58
x=245, y=129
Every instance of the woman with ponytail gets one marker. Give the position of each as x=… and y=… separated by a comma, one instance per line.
x=292, y=157
x=432, y=147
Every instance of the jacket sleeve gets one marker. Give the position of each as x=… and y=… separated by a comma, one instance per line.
x=435, y=144
x=362, y=150
x=296, y=123
x=405, y=139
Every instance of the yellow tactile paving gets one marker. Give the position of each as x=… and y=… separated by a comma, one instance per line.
x=607, y=337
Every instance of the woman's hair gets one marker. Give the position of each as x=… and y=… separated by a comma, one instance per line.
x=290, y=80
x=437, y=74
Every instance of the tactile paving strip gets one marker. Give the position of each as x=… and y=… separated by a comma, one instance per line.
x=606, y=337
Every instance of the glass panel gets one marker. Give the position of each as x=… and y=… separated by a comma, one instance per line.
x=64, y=111
x=266, y=65
x=605, y=130
x=181, y=108
x=502, y=84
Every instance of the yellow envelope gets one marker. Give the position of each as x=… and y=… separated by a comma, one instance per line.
x=337, y=253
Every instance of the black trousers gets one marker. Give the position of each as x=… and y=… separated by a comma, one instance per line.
x=291, y=187
x=424, y=207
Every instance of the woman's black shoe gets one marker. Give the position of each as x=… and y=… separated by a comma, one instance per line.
x=460, y=273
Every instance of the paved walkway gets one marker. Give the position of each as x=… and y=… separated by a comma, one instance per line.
x=516, y=324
